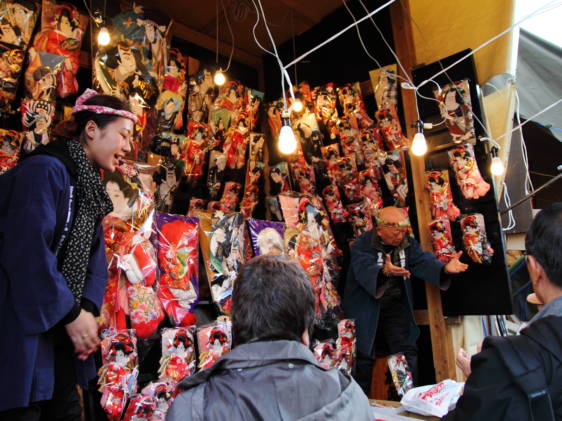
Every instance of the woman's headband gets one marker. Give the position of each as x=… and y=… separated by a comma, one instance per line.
x=99, y=109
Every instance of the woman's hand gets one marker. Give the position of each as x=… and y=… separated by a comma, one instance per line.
x=83, y=333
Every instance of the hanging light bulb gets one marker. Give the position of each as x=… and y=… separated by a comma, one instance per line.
x=287, y=142
x=103, y=37
x=419, y=144
x=497, y=167
x=219, y=78
x=297, y=105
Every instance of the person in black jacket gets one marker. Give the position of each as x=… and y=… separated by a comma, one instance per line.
x=270, y=374
x=510, y=369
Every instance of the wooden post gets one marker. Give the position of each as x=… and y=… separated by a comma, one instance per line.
x=443, y=353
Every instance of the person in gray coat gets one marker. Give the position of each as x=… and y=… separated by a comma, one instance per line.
x=270, y=374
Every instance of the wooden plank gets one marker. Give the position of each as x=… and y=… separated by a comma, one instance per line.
x=422, y=317
x=443, y=354
x=303, y=10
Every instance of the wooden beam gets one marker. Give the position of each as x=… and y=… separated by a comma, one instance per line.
x=302, y=8
x=443, y=354
x=422, y=317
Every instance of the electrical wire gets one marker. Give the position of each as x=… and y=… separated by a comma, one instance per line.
x=231, y=35
x=254, y=31
x=507, y=201
x=359, y=35
x=528, y=182
x=333, y=37
x=540, y=10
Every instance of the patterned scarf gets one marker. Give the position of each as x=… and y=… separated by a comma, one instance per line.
x=92, y=204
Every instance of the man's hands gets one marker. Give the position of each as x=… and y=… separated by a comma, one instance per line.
x=455, y=265
x=83, y=332
x=389, y=269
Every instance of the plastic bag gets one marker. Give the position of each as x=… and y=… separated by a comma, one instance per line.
x=37, y=118
x=456, y=110
x=440, y=196
x=19, y=18
x=401, y=374
x=178, y=354
x=11, y=64
x=442, y=239
x=118, y=375
x=214, y=340
x=346, y=348
x=475, y=240
x=178, y=258
x=325, y=353
x=463, y=163
x=10, y=144
x=353, y=106
x=266, y=236
x=395, y=177
x=433, y=400
x=253, y=188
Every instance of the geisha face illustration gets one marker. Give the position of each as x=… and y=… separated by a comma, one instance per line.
x=173, y=70
x=270, y=241
x=453, y=100
x=65, y=24
x=218, y=340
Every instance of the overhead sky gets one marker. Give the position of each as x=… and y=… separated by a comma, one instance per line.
x=545, y=25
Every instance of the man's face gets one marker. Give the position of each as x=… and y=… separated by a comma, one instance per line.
x=391, y=236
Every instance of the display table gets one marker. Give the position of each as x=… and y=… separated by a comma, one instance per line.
x=392, y=404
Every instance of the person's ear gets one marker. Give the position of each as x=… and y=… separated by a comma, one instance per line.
x=536, y=271
x=90, y=130
x=305, y=338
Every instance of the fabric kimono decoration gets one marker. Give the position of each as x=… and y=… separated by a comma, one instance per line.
x=253, y=188
x=279, y=181
x=273, y=208
x=370, y=190
x=178, y=258
x=395, y=177
x=117, y=379
x=325, y=353
x=468, y=176
x=474, y=238
x=215, y=176
x=401, y=374
x=37, y=118
x=305, y=127
x=385, y=87
x=440, y=196
x=347, y=178
x=303, y=176
x=350, y=140
x=201, y=92
x=222, y=245
x=252, y=107
x=10, y=144
x=214, y=341
x=442, y=239
x=389, y=124
x=41, y=75
x=346, y=345
x=456, y=109
x=11, y=63
x=230, y=197
x=178, y=354
x=332, y=200
x=274, y=110
x=17, y=19
x=353, y=106
x=195, y=151
x=62, y=28
x=373, y=148
x=152, y=403
x=171, y=101
x=266, y=237
x=196, y=204
x=236, y=143
x=325, y=105
x=360, y=217
x=257, y=142
x=228, y=104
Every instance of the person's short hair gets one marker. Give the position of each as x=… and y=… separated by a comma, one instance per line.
x=272, y=299
x=544, y=241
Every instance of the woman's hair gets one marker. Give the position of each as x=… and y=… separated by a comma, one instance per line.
x=75, y=126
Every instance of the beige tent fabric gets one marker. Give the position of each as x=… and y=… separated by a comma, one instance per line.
x=444, y=27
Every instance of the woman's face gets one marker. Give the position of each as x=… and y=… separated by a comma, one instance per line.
x=107, y=147
x=127, y=60
x=64, y=26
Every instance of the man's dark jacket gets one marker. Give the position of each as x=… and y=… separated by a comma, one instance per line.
x=489, y=392
x=269, y=380
x=359, y=300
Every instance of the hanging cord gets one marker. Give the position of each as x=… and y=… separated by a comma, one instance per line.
x=284, y=73
x=359, y=35
x=507, y=201
x=333, y=37
x=254, y=30
x=528, y=182
x=231, y=35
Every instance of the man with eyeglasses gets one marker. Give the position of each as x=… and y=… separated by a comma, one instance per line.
x=378, y=292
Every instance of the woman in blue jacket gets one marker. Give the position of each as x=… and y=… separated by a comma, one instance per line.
x=52, y=260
